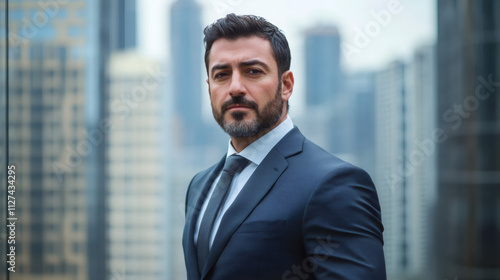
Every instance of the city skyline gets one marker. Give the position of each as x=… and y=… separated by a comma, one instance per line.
x=64, y=83
x=295, y=18
x=379, y=49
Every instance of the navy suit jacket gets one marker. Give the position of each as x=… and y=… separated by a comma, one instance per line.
x=303, y=214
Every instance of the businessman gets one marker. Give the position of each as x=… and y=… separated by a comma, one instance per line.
x=276, y=206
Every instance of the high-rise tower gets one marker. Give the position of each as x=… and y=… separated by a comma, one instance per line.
x=58, y=52
x=324, y=122
x=390, y=177
x=187, y=60
x=136, y=202
x=55, y=85
x=468, y=205
x=322, y=58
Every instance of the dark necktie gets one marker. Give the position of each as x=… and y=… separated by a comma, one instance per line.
x=234, y=164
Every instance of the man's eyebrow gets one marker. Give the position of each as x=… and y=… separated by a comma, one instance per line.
x=254, y=62
x=218, y=67
x=241, y=64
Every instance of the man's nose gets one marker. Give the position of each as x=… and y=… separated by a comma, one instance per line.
x=237, y=86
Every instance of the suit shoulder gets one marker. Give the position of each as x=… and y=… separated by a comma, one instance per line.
x=203, y=173
x=200, y=176
x=325, y=162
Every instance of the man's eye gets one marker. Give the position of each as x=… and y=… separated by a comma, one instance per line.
x=254, y=71
x=220, y=75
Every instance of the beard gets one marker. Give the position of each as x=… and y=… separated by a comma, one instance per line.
x=265, y=118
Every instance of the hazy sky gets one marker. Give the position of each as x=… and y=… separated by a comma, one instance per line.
x=373, y=43
x=376, y=32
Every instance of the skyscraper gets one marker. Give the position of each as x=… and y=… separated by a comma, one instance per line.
x=323, y=72
x=123, y=21
x=325, y=105
x=137, y=234
x=390, y=177
x=468, y=205
x=54, y=83
x=420, y=159
x=360, y=118
x=57, y=62
x=187, y=62
x=405, y=162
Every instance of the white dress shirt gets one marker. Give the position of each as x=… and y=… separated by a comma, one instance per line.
x=255, y=153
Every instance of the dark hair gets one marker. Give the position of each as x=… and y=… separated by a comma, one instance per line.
x=234, y=26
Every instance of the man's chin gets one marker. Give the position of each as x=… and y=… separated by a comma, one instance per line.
x=242, y=128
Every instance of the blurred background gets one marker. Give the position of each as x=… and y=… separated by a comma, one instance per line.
x=106, y=117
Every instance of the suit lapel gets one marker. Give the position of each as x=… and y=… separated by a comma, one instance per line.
x=193, y=212
x=259, y=184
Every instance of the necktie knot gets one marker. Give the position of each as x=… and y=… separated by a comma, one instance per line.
x=235, y=164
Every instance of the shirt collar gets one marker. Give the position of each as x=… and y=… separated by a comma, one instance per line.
x=258, y=150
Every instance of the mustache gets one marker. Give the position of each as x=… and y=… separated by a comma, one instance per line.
x=239, y=100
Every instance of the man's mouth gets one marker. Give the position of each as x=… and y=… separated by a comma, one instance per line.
x=238, y=107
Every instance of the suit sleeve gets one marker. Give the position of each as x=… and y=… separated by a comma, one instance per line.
x=342, y=227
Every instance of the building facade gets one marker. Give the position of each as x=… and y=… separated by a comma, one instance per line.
x=389, y=177
x=58, y=52
x=420, y=160
x=322, y=62
x=53, y=81
x=324, y=122
x=360, y=118
x=187, y=63
x=137, y=235
x=468, y=198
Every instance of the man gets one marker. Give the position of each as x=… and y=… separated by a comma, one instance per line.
x=276, y=206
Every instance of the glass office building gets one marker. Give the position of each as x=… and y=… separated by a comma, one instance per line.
x=468, y=207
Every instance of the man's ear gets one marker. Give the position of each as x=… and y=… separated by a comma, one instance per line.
x=287, y=82
x=208, y=82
